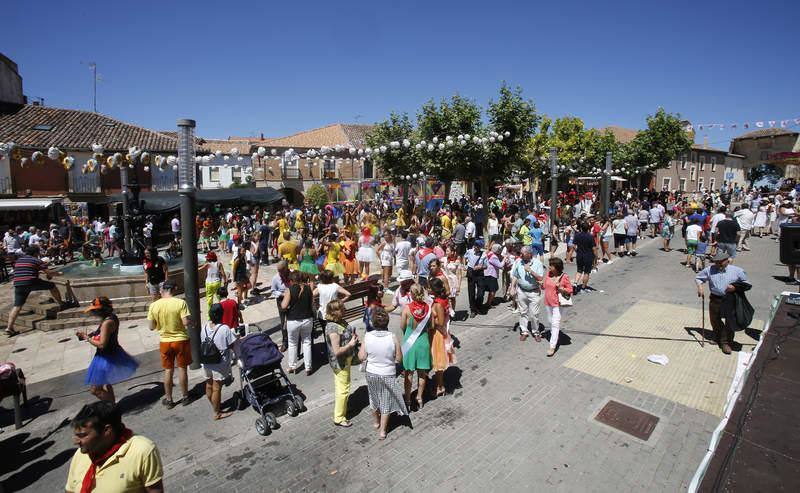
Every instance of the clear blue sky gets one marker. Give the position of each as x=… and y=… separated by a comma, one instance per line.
x=246, y=67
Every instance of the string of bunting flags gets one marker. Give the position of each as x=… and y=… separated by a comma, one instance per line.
x=745, y=125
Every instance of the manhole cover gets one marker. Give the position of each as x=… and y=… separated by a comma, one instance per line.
x=19, y=350
x=628, y=419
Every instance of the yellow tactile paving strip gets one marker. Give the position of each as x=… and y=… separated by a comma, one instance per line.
x=695, y=377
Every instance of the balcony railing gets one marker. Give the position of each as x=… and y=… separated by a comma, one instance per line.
x=291, y=174
x=84, y=183
x=6, y=186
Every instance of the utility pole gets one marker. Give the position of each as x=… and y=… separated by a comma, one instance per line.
x=553, y=185
x=93, y=66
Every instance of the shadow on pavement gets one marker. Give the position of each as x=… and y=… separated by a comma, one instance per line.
x=37, y=406
x=452, y=379
x=21, y=451
x=142, y=399
x=357, y=402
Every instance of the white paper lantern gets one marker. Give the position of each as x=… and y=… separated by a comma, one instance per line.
x=466, y=136
x=352, y=151
x=423, y=143
x=418, y=146
x=450, y=143
x=226, y=158
x=507, y=133
x=53, y=153
x=408, y=177
x=262, y=151
x=98, y=148
x=431, y=147
x=448, y=137
x=235, y=152
x=491, y=139
x=383, y=148
x=414, y=176
x=239, y=158
x=462, y=142
x=406, y=143
x=394, y=144
x=441, y=146
x=273, y=152
x=476, y=140
x=421, y=174
x=499, y=138
x=361, y=152
x=435, y=140
x=460, y=137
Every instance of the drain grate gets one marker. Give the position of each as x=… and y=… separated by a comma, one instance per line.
x=628, y=419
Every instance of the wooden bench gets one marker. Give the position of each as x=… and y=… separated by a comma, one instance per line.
x=358, y=291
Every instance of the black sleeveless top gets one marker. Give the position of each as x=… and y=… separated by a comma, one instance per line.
x=113, y=340
x=300, y=307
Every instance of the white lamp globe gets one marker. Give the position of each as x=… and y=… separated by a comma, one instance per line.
x=448, y=137
x=431, y=147
x=499, y=138
x=436, y=140
x=408, y=177
x=406, y=143
x=418, y=146
x=218, y=153
x=352, y=151
x=383, y=148
x=466, y=136
x=414, y=176
x=507, y=133
x=450, y=143
x=235, y=152
x=441, y=146
x=226, y=158
x=262, y=151
x=491, y=139
x=273, y=152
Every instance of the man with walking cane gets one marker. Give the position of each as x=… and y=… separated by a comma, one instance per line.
x=721, y=278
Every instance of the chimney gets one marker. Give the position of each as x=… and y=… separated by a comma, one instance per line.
x=705, y=142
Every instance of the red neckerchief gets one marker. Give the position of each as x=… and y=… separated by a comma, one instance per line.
x=88, y=479
x=424, y=252
x=418, y=309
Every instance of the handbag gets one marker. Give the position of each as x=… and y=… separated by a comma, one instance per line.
x=563, y=300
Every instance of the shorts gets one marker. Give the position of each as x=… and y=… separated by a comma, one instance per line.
x=729, y=248
x=490, y=284
x=619, y=240
x=170, y=351
x=461, y=249
x=643, y=225
x=538, y=248
x=691, y=246
x=21, y=292
x=213, y=372
x=154, y=289
x=631, y=239
x=584, y=264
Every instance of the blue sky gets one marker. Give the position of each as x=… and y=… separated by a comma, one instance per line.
x=246, y=67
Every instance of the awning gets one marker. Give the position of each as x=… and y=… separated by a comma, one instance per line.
x=27, y=204
x=163, y=202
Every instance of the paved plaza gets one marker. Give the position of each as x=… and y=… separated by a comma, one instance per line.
x=512, y=420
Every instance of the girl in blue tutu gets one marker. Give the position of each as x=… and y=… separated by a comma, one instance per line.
x=111, y=364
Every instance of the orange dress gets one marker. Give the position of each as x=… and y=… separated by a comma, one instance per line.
x=442, y=351
x=348, y=257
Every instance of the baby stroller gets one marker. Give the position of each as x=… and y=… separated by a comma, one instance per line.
x=263, y=381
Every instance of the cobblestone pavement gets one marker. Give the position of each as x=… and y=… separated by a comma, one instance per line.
x=513, y=419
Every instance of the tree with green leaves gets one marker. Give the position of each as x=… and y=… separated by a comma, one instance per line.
x=664, y=139
x=395, y=162
x=317, y=195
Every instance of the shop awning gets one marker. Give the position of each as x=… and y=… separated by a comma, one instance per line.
x=27, y=204
x=163, y=202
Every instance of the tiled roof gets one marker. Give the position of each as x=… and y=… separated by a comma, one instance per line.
x=701, y=147
x=622, y=134
x=765, y=132
x=77, y=130
x=214, y=145
x=331, y=135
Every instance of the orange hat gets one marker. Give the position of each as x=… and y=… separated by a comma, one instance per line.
x=99, y=303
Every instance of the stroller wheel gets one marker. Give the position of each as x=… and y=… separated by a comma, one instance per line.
x=291, y=408
x=262, y=428
x=272, y=421
x=298, y=402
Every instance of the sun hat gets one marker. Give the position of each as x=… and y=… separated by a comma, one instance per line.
x=405, y=275
x=720, y=256
x=98, y=304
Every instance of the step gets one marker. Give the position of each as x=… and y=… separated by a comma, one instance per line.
x=29, y=321
x=45, y=309
x=85, y=322
x=119, y=309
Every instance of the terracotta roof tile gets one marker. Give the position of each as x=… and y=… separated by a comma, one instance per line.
x=77, y=130
x=214, y=145
x=331, y=135
x=765, y=132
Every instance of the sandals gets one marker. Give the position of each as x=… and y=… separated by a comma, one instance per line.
x=382, y=435
x=223, y=415
x=167, y=403
x=344, y=424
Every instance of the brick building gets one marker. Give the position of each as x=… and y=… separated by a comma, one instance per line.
x=770, y=146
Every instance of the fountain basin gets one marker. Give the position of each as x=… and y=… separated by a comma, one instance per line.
x=117, y=282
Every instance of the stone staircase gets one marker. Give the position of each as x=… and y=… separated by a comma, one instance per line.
x=40, y=312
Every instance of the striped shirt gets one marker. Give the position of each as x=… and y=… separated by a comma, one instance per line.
x=26, y=270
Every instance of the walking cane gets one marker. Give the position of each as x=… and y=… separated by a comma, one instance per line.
x=703, y=320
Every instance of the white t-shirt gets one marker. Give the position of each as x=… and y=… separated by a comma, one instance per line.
x=493, y=227
x=745, y=217
x=176, y=225
x=693, y=232
x=327, y=293
x=401, y=250
x=223, y=339
x=619, y=227
x=380, y=349
x=470, y=233
x=719, y=216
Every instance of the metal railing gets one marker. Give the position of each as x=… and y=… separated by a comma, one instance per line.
x=88, y=183
x=291, y=173
x=6, y=186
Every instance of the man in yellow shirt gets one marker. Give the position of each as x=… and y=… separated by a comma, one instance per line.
x=288, y=251
x=110, y=457
x=170, y=317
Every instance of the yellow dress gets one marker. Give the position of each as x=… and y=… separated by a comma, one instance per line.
x=298, y=222
x=283, y=226
x=332, y=262
x=401, y=218
x=447, y=230
x=288, y=252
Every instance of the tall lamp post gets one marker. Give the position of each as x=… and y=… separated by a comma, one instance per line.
x=553, y=185
x=126, y=197
x=606, y=185
x=186, y=188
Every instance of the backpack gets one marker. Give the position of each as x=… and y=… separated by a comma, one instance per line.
x=209, y=352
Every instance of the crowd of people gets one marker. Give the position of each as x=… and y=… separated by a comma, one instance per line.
x=507, y=248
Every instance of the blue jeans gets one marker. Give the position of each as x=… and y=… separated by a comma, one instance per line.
x=538, y=248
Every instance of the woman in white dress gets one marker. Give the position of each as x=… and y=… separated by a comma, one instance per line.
x=772, y=214
x=760, y=223
x=386, y=252
x=365, y=254
x=453, y=270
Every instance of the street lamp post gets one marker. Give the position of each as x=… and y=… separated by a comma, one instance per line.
x=126, y=223
x=606, y=198
x=186, y=187
x=553, y=184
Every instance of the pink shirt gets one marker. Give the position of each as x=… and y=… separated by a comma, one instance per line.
x=550, y=291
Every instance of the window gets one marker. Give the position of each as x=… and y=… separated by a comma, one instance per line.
x=702, y=163
x=237, y=175
x=329, y=169
x=700, y=183
x=666, y=184
x=712, y=182
x=693, y=173
x=683, y=161
x=368, y=170
x=694, y=157
x=713, y=166
x=214, y=173
x=764, y=156
x=44, y=128
x=682, y=185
